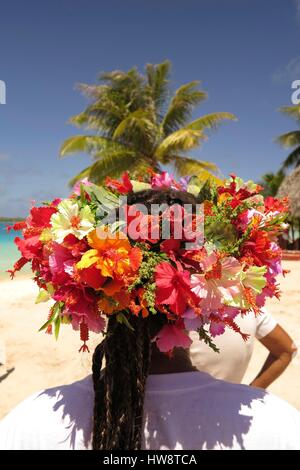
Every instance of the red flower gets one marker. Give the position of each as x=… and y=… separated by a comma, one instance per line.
x=236, y=194
x=40, y=216
x=123, y=187
x=257, y=248
x=173, y=287
x=273, y=204
x=170, y=246
x=140, y=226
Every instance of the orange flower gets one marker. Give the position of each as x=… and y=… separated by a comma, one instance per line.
x=119, y=301
x=112, y=255
x=141, y=306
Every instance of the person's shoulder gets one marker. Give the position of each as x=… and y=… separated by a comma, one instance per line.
x=273, y=422
x=257, y=399
x=35, y=421
x=52, y=398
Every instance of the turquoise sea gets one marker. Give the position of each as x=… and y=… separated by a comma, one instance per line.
x=9, y=253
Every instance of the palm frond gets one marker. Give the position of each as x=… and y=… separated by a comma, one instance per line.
x=289, y=140
x=292, y=111
x=181, y=106
x=83, y=174
x=179, y=141
x=86, y=121
x=137, y=127
x=114, y=164
x=211, y=121
x=92, y=92
x=186, y=166
x=271, y=182
x=82, y=143
x=158, y=82
x=292, y=160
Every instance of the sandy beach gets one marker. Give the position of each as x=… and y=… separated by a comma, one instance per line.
x=40, y=362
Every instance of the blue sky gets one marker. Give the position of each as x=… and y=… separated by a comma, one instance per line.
x=245, y=52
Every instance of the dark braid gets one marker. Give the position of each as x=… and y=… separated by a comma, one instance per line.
x=120, y=387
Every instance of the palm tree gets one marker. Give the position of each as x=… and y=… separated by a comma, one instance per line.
x=271, y=183
x=136, y=126
x=291, y=139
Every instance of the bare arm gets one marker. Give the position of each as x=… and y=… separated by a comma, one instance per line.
x=281, y=348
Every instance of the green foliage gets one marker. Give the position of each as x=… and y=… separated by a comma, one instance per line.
x=145, y=278
x=55, y=318
x=137, y=125
x=205, y=336
x=208, y=192
x=271, y=183
x=291, y=139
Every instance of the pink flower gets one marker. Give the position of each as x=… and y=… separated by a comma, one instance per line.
x=217, y=328
x=192, y=321
x=219, y=319
x=172, y=336
x=246, y=217
x=95, y=323
x=219, y=283
x=81, y=305
x=76, y=188
x=163, y=180
x=61, y=263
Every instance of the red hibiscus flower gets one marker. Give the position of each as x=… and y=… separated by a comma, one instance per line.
x=173, y=287
x=123, y=187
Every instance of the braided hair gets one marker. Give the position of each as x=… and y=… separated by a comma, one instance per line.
x=120, y=387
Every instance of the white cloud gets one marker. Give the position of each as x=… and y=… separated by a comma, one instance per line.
x=290, y=72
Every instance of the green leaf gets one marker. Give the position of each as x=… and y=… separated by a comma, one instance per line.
x=114, y=163
x=181, y=106
x=139, y=186
x=43, y=296
x=48, y=322
x=292, y=111
x=179, y=141
x=189, y=166
x=107, y=199
x=57, y=326
x=56, y=310
x=210, y=121
x=82, y=143
x=204, y=335
x=289, y=140
x=158, y=81
x=121, y=318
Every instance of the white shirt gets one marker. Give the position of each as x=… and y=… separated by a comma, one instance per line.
x=233, y=359
x=187, y=411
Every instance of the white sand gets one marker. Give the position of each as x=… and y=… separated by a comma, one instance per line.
x=41, y=362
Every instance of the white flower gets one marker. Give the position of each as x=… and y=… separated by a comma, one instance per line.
x=71, y=220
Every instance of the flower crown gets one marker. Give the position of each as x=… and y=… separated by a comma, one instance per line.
x=223, y=263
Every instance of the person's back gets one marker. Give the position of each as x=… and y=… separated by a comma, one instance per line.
x=188, y=410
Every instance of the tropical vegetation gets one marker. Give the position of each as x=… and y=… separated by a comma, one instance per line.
x=291, y=140
x=133, y=122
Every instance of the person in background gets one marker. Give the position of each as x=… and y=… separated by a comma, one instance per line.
x=233, y=359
